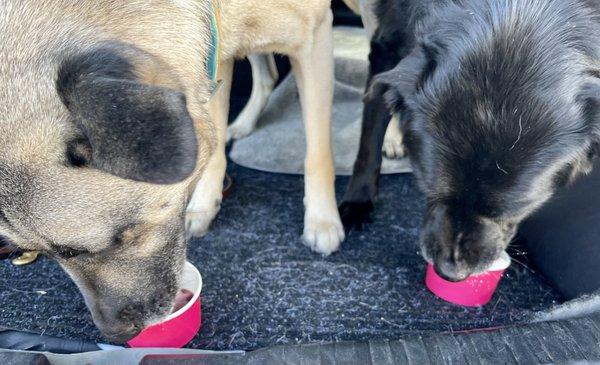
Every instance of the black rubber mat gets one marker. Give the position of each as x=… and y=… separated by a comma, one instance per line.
x=264, y=288
x=569, y=341
x=572, y=341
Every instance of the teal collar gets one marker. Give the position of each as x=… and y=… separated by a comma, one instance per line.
x=212, y=62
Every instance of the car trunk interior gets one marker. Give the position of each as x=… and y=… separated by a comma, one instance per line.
x=264, y=288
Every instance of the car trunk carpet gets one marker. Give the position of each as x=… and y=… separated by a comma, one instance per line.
x=263, y=287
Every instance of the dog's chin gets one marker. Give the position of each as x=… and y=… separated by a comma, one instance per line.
x=482, y=265
x=119, y=333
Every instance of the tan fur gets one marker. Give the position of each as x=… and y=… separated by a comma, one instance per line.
x=354, y=5
x=302, y=31
x=50, y=205
x=263, y=81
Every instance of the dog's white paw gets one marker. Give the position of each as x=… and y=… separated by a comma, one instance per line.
x=323, y=235
x=198, y=221
x=239, y=129
x=393, y=145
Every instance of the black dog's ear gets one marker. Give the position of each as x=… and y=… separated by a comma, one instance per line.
x=589, y=98
x=406, y=78
x=134, y=130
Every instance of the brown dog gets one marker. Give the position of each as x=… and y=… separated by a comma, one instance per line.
x=98, y=107
x=302, y=31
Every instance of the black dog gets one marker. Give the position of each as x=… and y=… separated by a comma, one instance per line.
x=499, y=102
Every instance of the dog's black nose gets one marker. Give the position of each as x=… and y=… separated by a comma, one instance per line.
x=451, y=272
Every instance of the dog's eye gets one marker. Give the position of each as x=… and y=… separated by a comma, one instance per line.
x=124, y=235
x=79, y=152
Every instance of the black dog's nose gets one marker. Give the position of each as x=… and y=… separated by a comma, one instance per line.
x=451, y=272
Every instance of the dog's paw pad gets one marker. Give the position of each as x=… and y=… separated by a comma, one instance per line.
x=355, y=215
x=323, y=236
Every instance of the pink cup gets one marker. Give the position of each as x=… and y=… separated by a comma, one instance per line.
x=475, y=291
x=180, y=327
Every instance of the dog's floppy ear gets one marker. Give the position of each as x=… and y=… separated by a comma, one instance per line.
x=589, y=99
x=133, y=130
x=406, y=78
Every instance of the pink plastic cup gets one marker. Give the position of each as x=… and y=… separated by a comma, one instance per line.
x=180, y=327
x=475, y=291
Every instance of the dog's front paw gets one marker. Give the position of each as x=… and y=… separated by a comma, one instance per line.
x=393, y=142
x=323, y=235
x=197, y=222
x=393, y=145
x=393, y=149
x=355, y=214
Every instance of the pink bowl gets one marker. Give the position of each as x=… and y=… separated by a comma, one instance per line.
x=475, y=291
x=179, y=328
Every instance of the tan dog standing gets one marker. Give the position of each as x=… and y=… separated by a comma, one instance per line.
x=98, y=106
x=301, y=30
x=264, y=78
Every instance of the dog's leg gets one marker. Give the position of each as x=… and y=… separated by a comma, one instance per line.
x=313, y=68
x=206, y=199
x=368, y=16
x=358, y=200
x=264, y=77
x=353, y=5
x=393, y=146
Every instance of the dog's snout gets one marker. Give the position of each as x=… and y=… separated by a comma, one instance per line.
x=452, y=271
x=460, y=245
x=115, y=327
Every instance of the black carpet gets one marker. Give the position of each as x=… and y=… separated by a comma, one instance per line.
x=263, y=287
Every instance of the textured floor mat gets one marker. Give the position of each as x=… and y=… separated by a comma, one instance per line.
x=263, y=287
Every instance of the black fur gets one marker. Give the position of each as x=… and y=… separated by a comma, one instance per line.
x=66, y=252
x=498, y=101
x=132, y=130
x=393, y=41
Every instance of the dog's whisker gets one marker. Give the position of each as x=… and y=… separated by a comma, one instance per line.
x=520, y=133
x=500, y=168
x=516, y=251
x=523, y=265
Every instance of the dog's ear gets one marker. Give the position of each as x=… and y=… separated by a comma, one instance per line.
x=589, y=99
x=406, y=78
x=130, y=129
